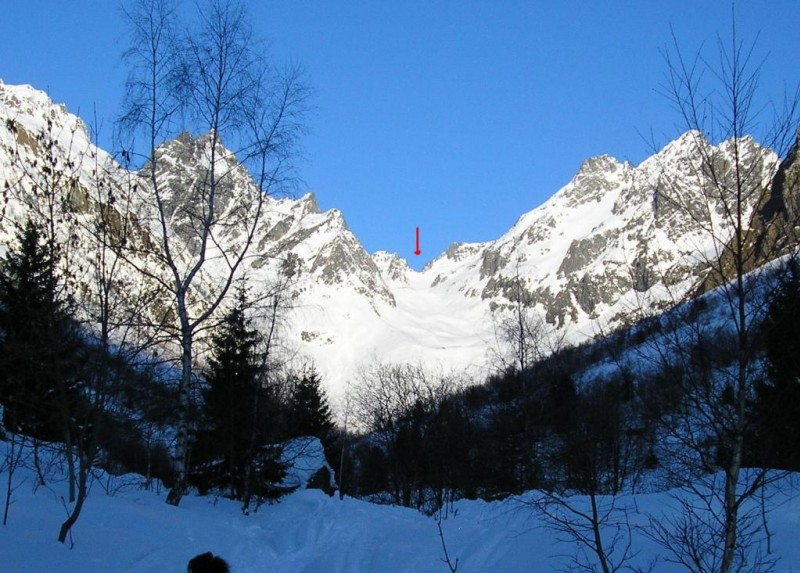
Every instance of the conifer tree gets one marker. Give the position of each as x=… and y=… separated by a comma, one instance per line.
x=232, y=380
x=309, y=412
x=238, y=448
x=778, y=403
x=40, y=345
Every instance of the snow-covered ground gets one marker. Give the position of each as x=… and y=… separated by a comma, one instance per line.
x=343, y=334
x=133, y=531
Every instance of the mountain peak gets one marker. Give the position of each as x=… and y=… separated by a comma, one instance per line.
x=310, y=204
x=598, y=164
x=596, y=177
x=25, y=99
x=392, y=266
x=579, y=258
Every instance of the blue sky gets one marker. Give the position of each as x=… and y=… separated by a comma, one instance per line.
x=452, y=116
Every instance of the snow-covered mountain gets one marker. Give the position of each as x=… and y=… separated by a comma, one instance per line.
x=605, y=248
x=586, y=256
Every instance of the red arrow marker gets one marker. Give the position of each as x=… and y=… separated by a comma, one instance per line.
x=417, y=252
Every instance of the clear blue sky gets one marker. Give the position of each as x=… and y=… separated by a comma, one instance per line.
x=452, y=116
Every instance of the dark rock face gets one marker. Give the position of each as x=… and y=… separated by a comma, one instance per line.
x=770, y=230
x=392, y=266
x=339, y=261
x=776, y=222
x=186, y=186
x=584, y=251
x=491, y=262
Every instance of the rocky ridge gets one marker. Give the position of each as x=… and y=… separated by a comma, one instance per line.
x=603, y=249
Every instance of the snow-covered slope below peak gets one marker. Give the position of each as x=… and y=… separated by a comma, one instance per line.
x=344, y=333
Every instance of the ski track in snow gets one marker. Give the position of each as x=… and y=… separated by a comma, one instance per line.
x=134, y=531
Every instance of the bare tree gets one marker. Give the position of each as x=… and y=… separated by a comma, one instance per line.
x=597, y=525
x=110, y=303
x=597, y=456
x=522, y=335
x=452, y=565
x=14, y=451
x=52, y=188
x=384, y=397
x=728, y=180
x=524, y=340
x=397, y=404
x=273, y=306
x=216, y=77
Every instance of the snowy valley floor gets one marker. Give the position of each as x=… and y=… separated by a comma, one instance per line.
x=134, y=531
